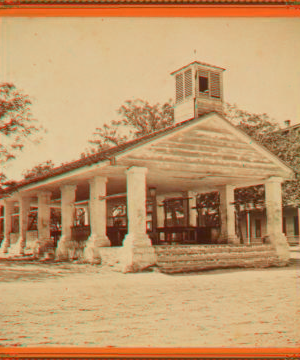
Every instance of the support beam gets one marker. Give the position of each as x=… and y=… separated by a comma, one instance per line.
x=98, y=236
x=24, y=206
x=227, y=215
x=274, y=219
x=67, y=219
x=8, y=210
x=137, y=252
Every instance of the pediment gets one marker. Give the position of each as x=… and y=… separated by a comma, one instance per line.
x=209, y=146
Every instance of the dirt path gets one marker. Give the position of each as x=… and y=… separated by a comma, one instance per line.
x=83, y=305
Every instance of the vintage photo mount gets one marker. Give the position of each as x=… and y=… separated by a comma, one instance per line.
x=150, y=8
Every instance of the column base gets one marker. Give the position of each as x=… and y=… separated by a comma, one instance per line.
x=4, y=246
x=63, y=248
x=226, y=239
x=279, y=242
x=136, y=254
x=92, y=250
x=18, y=248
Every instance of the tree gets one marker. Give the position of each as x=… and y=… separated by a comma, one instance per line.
x=138, y=118
x=38, y=170
x=16, y=121
x=16, y=126
x=283, y=143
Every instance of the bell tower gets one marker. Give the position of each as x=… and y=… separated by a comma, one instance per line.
x=199, y=90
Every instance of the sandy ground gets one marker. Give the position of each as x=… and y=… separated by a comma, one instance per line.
x=83, y=305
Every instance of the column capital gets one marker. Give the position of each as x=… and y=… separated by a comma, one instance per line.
x=68, y=187
x=274, y=179
x=225, y=186
x=24, y=196
x=98, y=178
x=137, y=170
x=45, y=193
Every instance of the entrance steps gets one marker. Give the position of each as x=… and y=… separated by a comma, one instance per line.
x=187, y=258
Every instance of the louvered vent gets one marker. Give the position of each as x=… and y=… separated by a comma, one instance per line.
x=179, y=88
x=215, y=85
x=202, y=72
x=188, y=83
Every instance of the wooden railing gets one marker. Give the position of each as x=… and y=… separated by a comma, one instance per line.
x=176, y=234
x=184, y=235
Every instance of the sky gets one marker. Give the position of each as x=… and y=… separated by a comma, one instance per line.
x=79, y=71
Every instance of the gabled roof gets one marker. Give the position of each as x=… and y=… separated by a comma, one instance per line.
x=109, y=154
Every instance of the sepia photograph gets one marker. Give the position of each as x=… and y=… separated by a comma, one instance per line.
x=149, y=182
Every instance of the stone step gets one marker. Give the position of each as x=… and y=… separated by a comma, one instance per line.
x=186, y=266
x=164, y=259
x=179, y=249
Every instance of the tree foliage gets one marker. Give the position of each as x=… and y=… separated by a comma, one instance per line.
x=16, y=121
x=137, y=118
x=284, y=143
x=38, y=170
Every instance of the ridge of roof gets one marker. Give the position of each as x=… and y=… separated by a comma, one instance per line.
x=199, y=63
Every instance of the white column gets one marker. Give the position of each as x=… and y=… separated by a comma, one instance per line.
x=138, y=252
x=86, y=215
x=193, y=211
x=160, y=215
x=8, y=210
x=24, y=206
x=44, y=237
x=227, y=216
x=160, y=211
x=68, y=193
x=274, y=218
x=98, y=236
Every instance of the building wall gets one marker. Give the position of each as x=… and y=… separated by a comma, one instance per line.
x=255, y=215
x=288, y=214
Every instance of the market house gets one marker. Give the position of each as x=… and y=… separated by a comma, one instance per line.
x=136, y=204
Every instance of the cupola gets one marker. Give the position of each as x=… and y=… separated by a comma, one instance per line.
x=199, y=90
